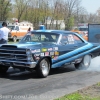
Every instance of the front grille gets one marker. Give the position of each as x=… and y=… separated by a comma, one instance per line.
x=13, y=54
x=9, y=46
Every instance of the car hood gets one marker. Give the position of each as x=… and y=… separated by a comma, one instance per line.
x=32, y=45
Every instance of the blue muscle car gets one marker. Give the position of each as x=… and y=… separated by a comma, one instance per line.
x=42, y=50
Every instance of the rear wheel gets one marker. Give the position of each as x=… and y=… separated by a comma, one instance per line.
x=14, y=39
x=43, y=68
x=3, y=69
x=85, y=63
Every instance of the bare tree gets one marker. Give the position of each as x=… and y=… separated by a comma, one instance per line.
x=97, y=14
x=92, y=18
x=56, y=14
x=20, y=6
x=69, y=10
x=39, y=11
x=34, y=12
x=4, y=9
x=79, y=14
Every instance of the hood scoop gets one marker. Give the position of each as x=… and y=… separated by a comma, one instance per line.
x=9, y=46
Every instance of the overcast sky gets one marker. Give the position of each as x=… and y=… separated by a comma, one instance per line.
x=91, y=5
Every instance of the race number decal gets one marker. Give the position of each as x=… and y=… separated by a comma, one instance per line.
x=70, y=39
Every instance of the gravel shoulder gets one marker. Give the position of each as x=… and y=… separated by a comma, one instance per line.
x=91, y=91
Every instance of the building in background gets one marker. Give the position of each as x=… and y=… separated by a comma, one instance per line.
x=55, y=24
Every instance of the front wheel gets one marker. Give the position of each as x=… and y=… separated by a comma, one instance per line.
x=43, y=68
x=85, y=63
x=3, y=69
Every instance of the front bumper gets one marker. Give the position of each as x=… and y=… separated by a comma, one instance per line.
x=18, y=64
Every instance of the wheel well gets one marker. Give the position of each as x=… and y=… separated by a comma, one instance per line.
x=50, y=61
x=49, y=58
x=90, y=55
x=14, y=36
x=87, y=54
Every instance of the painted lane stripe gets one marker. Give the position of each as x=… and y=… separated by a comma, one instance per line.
x=73, y=58
x=70, y=54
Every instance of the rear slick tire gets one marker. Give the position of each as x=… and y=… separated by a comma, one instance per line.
x=84, y=64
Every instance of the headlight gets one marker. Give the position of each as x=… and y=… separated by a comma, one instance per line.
x=30, y=58
x=28, y=52
x=29, y=55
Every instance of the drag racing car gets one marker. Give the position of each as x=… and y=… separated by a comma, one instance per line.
x=42, y=50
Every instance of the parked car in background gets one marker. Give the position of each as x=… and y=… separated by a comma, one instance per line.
x=18, y=30
x=83, y=31
x=42, y=50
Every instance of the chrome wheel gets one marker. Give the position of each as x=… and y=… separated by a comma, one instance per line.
x=43, y=68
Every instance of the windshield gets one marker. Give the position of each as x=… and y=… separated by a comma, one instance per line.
x=11, y=27
x=40, y=37
x=83, y=29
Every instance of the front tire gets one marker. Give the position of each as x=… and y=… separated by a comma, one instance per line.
x=85, y=63
x=43, y=68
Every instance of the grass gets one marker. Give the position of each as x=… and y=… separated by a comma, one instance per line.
x=98, y=84
x=74, y=96
x=84, y=94
x=10, y=42
x=77, y=96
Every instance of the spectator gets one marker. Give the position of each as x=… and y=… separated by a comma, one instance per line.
x=4, y=33
x=29, y=29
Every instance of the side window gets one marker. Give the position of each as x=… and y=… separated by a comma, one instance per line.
x=77, y=39
x=70, y=39
x=36, y=37
x=54, y=37
x=49, y=38
x=64, y=39
x=17, y=28
x=43, y=37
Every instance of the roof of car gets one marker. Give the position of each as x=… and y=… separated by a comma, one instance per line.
x=53, y=31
